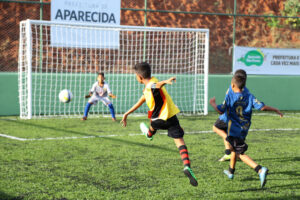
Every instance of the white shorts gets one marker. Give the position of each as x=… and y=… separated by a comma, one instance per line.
x=94, y=100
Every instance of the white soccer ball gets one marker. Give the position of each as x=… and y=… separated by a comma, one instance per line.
x=65, y=96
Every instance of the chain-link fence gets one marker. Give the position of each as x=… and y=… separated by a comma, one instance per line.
x=255, y=23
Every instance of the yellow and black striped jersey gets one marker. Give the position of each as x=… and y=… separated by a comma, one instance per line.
x=159, y=101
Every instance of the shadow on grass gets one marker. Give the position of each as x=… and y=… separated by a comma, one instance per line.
x=289, y=173
x=149, y=145
x=281, y=159
x=292, y=174
x=4, y=196
x=268, y=187
x=286, y=197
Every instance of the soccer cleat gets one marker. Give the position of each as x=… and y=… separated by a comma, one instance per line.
x=225, y=158
x=230, y=175
x=263, y=176
x=114, y=119
x=84, y=118
x=144, y=128
x=190, y=174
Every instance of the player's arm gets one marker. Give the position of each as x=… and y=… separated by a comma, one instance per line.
x=261, y=106
x=269, y=108
x=132, y=109
x=92, y=90
x=112, y=95
x=89, y=95
x=212, y=102
x=168, y=81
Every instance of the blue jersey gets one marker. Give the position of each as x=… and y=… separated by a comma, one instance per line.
x=223, y=118
x=238, y=109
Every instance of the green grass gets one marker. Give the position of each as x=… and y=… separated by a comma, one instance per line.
x=131, y=167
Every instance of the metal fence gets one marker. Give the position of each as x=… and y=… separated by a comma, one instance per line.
x=255, y=23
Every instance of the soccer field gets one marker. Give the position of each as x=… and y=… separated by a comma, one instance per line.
x=99, y=159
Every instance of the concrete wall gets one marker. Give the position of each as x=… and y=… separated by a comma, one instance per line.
x=276, y=91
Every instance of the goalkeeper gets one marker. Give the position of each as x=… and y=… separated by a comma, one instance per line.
x=162, y=113
x=100, y=92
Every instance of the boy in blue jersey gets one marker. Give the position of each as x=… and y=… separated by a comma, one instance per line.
x=238, y=106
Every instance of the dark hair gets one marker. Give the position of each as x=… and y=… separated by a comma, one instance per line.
x=239, y=78
x=143, y=69
x=101, y=73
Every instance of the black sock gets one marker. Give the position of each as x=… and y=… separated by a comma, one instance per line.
x=227, y=151
x=257, y=168
x=231, y=170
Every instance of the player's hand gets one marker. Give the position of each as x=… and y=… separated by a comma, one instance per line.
x=169, y=81
x=113, y=96
x=87, y=96
x=124, y=120
x=280, y=114
x=212, y=101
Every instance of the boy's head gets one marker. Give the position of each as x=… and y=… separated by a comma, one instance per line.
x=142, y=71
x=239, y=79
x=100, y=77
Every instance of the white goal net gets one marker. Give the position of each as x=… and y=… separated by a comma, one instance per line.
x=55, y=56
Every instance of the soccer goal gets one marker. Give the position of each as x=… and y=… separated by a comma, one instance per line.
x=55, y=56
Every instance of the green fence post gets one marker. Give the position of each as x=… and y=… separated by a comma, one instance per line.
x=145, y=24
x=233, y=35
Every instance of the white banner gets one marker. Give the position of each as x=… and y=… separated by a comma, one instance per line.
x=97, y=12
x=267, y=61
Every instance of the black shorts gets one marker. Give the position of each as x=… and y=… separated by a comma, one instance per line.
x=239, y=146
x=172, y=125
x=221, y=125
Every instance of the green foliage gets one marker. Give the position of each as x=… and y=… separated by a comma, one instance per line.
x=292, y=8
x=127, y=166
x=273, y=22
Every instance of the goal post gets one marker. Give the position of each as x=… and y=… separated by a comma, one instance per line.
x=54, y=56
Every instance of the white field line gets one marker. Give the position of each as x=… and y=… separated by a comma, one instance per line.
x=134, y=134
x=13, y=138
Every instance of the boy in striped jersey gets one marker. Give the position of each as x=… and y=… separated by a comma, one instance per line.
x=162, y=113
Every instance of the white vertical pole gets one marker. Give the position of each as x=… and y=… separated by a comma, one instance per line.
x=20, y=69
x=29, y=70
x=196, y=68
x=206, y=59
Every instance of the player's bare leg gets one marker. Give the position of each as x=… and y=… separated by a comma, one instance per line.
x=230, y=171
x=180, y=144
x=223, y=134
x=246, y=159
x=226, y=144
x=262, y=171
x=233, y=160
x=220, y=132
